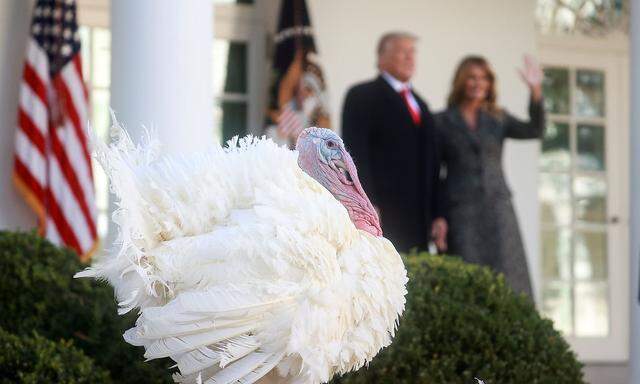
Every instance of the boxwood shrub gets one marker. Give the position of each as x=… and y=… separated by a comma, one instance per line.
x=34, y=359
x=462, y=321
x=38, y=293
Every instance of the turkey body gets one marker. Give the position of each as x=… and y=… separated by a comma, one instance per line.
x=243, y=268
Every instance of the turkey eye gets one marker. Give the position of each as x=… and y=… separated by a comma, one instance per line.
x=331, y=144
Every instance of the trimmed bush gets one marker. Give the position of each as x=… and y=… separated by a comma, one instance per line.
x=38, y=360
x=462, y=321
x=38, y=293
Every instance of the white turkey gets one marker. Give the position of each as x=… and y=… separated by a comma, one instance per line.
x=250, y=263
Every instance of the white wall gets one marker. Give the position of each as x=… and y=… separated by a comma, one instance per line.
x=501, y=30
x=15, y=17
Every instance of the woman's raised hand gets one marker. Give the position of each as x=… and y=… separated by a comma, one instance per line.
x=532, y=75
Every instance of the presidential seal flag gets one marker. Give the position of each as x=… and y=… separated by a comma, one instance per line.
x=298, y=91
x=52, y=166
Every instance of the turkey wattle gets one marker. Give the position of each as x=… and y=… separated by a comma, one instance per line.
x=251, y=263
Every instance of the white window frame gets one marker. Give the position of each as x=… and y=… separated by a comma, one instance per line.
x=609, y=55
x=245, y=23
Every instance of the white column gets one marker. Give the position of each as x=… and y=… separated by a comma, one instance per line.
x=161, y=70
x=15, y=18
x=634, y=197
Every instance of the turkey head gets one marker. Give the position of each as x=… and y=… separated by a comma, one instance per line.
x=323, y=157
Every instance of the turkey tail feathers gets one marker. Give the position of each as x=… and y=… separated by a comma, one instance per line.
x=203, y=341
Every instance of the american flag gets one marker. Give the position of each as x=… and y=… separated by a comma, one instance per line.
x=52, y=166
x=290, y=121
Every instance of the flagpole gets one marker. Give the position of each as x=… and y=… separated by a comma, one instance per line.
x=634, y=197
x=297, y=22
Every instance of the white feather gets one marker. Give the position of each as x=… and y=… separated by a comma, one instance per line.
x=198, y=360
x=240, y=368
x=244, y=267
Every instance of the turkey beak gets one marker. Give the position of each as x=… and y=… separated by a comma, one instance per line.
x=349, y=172
x=345, y=173
x=350, y=175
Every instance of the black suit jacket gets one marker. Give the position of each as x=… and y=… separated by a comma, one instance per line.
x=397, y=160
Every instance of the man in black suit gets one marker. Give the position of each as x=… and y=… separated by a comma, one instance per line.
x=390, y=134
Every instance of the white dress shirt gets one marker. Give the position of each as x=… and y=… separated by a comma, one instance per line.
x=399, y=86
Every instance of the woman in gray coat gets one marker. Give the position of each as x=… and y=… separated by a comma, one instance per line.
x=481, y=221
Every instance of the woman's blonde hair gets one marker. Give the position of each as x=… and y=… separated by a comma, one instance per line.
x=458, y=86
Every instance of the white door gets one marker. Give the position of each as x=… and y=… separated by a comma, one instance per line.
x=583, y=195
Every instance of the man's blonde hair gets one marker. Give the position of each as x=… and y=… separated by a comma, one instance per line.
x=388, y=38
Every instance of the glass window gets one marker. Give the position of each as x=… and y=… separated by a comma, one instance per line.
x=556, y=154
x=590, y=93
x=556, y=304
x=590, y=198
x=590, y=261
x=230, y=84
x=590, y=147
x=556, y=254
x=591, y=309
x=229, y=67
x=589, y=17
x=554, y=192
x=556, y=90
x=573, y=203
x=101, y=57
x=231, y=118
x=96, y=62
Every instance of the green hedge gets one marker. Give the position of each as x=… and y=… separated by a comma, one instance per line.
x=37, y=289
x=34, y=359
x=461, y=322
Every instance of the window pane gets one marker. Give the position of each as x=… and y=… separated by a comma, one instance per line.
x=100, y=123
x=100, y=112
x=101, y=57
x=230, y=119
x=590, y=261
x=101, y=185
x=592, y=310
x=555, y=147
x=85, y=52
x=591, y=147
x=103, y=224
x=555, y=202
x=590, y=93
x=590, y=202
x=556, y=254
x=556, y=90
x=229, y=67
x=582, y=17
x=556, y=305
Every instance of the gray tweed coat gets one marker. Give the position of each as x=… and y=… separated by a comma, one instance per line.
x=483, y=227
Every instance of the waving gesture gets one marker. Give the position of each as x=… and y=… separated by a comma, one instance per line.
x=532, y=75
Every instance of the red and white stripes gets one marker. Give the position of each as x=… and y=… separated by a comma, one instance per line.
x=290, y=121
x=52, y=162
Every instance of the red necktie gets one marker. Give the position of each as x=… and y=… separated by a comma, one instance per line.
x=413, y=111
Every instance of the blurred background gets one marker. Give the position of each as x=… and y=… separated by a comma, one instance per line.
x=571, y=191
